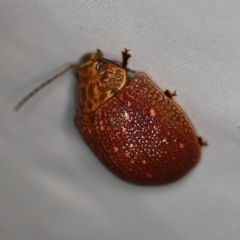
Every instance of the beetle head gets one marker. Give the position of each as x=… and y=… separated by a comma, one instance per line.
x=99, y=80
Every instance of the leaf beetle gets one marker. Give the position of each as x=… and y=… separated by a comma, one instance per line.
x=136, y=130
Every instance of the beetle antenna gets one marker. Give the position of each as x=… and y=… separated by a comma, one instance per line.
x=32, y=93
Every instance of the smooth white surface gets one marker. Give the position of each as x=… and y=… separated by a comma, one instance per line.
x=51, y=185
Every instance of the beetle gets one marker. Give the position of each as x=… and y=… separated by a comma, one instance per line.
x=136, y=130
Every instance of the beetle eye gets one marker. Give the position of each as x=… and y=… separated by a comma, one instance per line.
x=100, y=64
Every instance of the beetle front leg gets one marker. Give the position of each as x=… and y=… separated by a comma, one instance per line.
x=125, y=55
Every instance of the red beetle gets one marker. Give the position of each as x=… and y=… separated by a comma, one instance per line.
x=134, y=128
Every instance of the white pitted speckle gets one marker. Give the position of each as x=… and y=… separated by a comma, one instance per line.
x=181, y=145
x=131, y=145
x=149, y=175
x=101, y=125
x=126, y=116
x=152, y=112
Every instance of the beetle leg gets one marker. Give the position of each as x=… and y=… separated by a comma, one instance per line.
x=169, y=94
x=126, y=55
x=130, y=70
x=202, y=142
x=99, y=53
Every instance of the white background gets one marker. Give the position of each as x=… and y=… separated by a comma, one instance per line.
x=51, y=185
